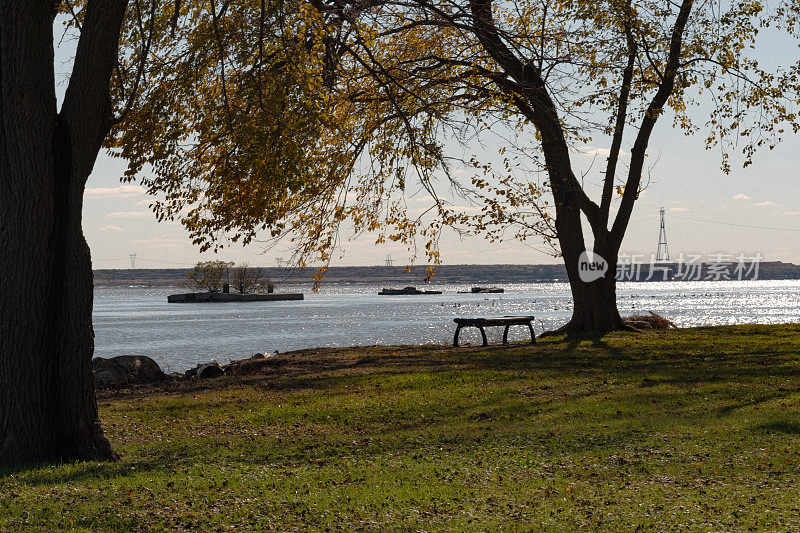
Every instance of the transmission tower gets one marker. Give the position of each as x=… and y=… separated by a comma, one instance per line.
x=662, y=253
x=389, y=261
x=132, y=257
x=279, y=261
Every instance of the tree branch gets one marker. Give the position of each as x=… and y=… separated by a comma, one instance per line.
x=651, y=116
x=544, y=114
x=619, y=126
x=87, y=107
x=147, y=42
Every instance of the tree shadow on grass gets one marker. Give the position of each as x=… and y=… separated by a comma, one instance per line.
x=789, y=427
x=675, y=356
x=80, y=472
x=763, y=398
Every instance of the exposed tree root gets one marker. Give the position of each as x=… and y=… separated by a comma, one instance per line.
x=573, y=328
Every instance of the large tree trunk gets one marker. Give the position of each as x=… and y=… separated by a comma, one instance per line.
x=594, y=303
x=47, y=404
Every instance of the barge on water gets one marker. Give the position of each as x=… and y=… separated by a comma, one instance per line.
x=483, y=290
x=405, y=291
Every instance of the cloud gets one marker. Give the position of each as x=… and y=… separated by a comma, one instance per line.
x=166, y=243
x=792, y=213
x=160, y=241
x=110, y=228
x=129, y=214
x=592, y=151
x=426, y=199
x=146, y=202
x=678, y=209
x=465, y=208
x=123, y=191
x=744, y=197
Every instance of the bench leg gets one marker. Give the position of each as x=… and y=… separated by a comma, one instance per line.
x=455, y=337
x=533, y=335
x=505, y=335
x=483, y=334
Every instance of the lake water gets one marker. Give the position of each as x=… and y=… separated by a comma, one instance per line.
x=137, y=320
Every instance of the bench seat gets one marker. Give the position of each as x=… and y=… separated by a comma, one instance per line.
x=481, y=323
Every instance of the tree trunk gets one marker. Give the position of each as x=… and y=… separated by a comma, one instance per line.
x=48, y=409
x=47, y=404
x=594, y=303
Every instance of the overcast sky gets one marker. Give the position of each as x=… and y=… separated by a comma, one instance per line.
x=750, y=211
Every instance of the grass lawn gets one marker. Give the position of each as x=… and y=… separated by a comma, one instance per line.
x=695, y=429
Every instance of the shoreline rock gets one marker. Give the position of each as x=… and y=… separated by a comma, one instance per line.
x=125, y=370
x=212, y=369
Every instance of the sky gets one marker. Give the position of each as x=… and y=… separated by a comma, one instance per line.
x=751, y=211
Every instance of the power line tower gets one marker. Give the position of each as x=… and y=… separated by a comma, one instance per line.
x=132, y=257
x=279, y=261
x=389, y=261
x=662, y=253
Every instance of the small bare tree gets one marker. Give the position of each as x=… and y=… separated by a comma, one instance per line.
x=207, y=275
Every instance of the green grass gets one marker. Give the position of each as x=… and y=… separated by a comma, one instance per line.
x=695, y=429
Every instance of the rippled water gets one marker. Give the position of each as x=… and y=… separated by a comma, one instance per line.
x=140, y=321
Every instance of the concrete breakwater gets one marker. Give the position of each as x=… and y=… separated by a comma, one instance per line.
x=203, y=297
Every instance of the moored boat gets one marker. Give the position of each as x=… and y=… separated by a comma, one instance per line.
x=405, y=291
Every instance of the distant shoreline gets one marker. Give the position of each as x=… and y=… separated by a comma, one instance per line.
x=393, y=275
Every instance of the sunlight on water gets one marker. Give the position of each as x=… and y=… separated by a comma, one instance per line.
x=140, y=321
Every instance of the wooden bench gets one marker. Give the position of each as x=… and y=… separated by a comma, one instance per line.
x=481, y=323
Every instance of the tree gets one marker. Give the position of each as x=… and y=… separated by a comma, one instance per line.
x=247, y=279
x=376, y=90
x=47, y=403
x=280, y=138
x=208, y=275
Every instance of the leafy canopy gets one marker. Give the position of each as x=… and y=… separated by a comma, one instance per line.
x=292, y=118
